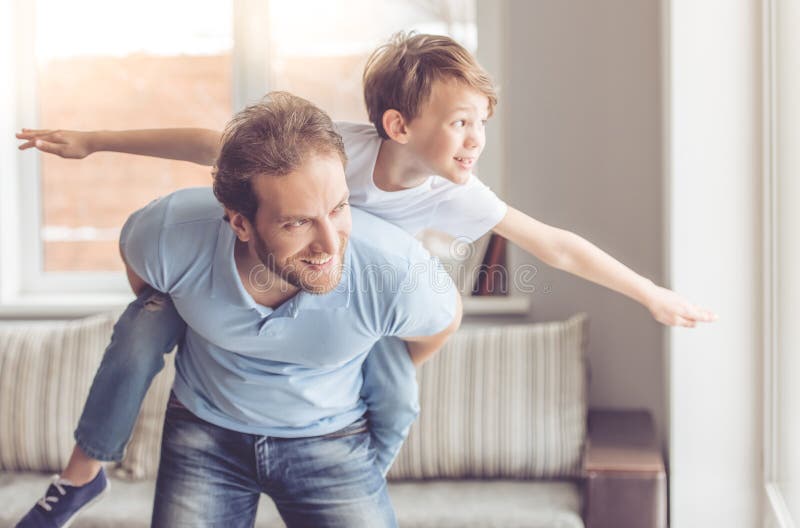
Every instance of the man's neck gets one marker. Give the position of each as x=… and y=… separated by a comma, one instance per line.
x=396, y=169
x=266, y=288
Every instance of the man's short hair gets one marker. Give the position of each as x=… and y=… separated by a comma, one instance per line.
x=272, y=137
x=399, y=74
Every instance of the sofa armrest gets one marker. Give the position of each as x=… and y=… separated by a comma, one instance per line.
x=625, y=480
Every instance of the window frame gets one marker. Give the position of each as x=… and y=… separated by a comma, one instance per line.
x=777, y=513
x=28, y=291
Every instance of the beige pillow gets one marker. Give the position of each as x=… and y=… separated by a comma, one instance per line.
x=501, y=401
x=46, y=370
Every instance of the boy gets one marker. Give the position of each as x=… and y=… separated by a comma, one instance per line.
x=427, y=100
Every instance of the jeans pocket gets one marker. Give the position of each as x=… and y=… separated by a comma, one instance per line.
x=358, y=427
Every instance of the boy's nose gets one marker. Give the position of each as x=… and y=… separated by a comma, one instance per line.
x=473, y=141
x=474, y=138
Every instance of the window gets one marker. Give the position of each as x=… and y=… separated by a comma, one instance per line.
x=90, y=64
x=150, y=71
x=322, y=58
x=782, y=262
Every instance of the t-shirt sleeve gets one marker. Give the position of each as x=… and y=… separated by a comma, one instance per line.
x=140, y=242
x=425, y=303
x=469, y=211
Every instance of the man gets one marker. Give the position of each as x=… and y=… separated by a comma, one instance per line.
x=284, y=292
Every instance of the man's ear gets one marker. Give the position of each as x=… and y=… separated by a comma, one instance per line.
x=240, y=225
x=395, y=126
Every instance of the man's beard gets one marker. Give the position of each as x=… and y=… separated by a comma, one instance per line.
x=297, y=274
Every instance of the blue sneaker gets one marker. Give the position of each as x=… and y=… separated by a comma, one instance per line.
x=63, y=502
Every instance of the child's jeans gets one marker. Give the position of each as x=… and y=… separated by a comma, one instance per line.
x=151, y=327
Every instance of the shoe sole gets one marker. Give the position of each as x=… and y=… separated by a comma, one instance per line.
x=86, y=506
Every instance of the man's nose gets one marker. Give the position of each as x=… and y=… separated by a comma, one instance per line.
x=327, y=238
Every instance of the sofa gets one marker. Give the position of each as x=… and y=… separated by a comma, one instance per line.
x=504, y=437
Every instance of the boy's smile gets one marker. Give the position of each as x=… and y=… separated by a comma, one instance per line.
x=447, y=137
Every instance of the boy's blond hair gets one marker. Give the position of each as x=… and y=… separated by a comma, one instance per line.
x=399, y=74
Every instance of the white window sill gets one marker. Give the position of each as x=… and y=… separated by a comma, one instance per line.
x=496, y=305
x=62, y=306
x=73, y=306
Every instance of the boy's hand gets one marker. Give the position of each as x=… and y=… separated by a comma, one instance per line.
x=65, y=143
x=671, y=309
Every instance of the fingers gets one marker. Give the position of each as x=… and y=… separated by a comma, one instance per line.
x=677, y=320
x=30, y=133
x=45, y=140
x=31, y=136
x=49, y=147
x=698, y=314
x=710, y=316
x=689, y=317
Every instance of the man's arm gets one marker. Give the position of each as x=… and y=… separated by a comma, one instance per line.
x=567, y=251
x=423, y=348
x=137, y=283
x=198, y=145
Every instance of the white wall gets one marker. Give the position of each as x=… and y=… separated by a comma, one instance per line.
x=714, y=141
x=583, y=93
x=582, y=97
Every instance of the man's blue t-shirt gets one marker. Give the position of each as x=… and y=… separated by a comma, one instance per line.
x=296, y=370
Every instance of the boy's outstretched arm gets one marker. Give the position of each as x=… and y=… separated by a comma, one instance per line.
x=198, y=145
x=569, y=252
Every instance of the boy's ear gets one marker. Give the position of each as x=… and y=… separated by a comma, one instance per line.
x=240, y=225
x=395, y=126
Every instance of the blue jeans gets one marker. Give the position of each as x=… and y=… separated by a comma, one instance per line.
x=210, y=476
x=151, y=326
x=148, y=328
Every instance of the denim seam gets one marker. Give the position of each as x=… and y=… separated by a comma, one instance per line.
x=261, y=447
x=98, y=454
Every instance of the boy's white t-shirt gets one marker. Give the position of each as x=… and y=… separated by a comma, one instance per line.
x=465, y=211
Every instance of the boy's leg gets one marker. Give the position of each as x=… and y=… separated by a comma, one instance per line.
x=208, y=476
x=392, y=396
x=327, y=481
x=149, y=328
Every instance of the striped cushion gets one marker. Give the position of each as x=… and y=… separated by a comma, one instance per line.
x=501, y=401
x=497, y=402
x=46, y=370
x=45, y=374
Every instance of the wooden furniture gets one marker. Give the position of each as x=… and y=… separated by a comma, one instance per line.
x=626, y=483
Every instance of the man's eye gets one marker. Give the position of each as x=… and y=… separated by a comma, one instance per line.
x=460, y=123
x=340, y=207
x=297, y=223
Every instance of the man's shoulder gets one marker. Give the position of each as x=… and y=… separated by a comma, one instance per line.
x=189, y=206
x=186, y=208
x=409, y=291
x=186, y=216
x=379, y=242
x=171, y=236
